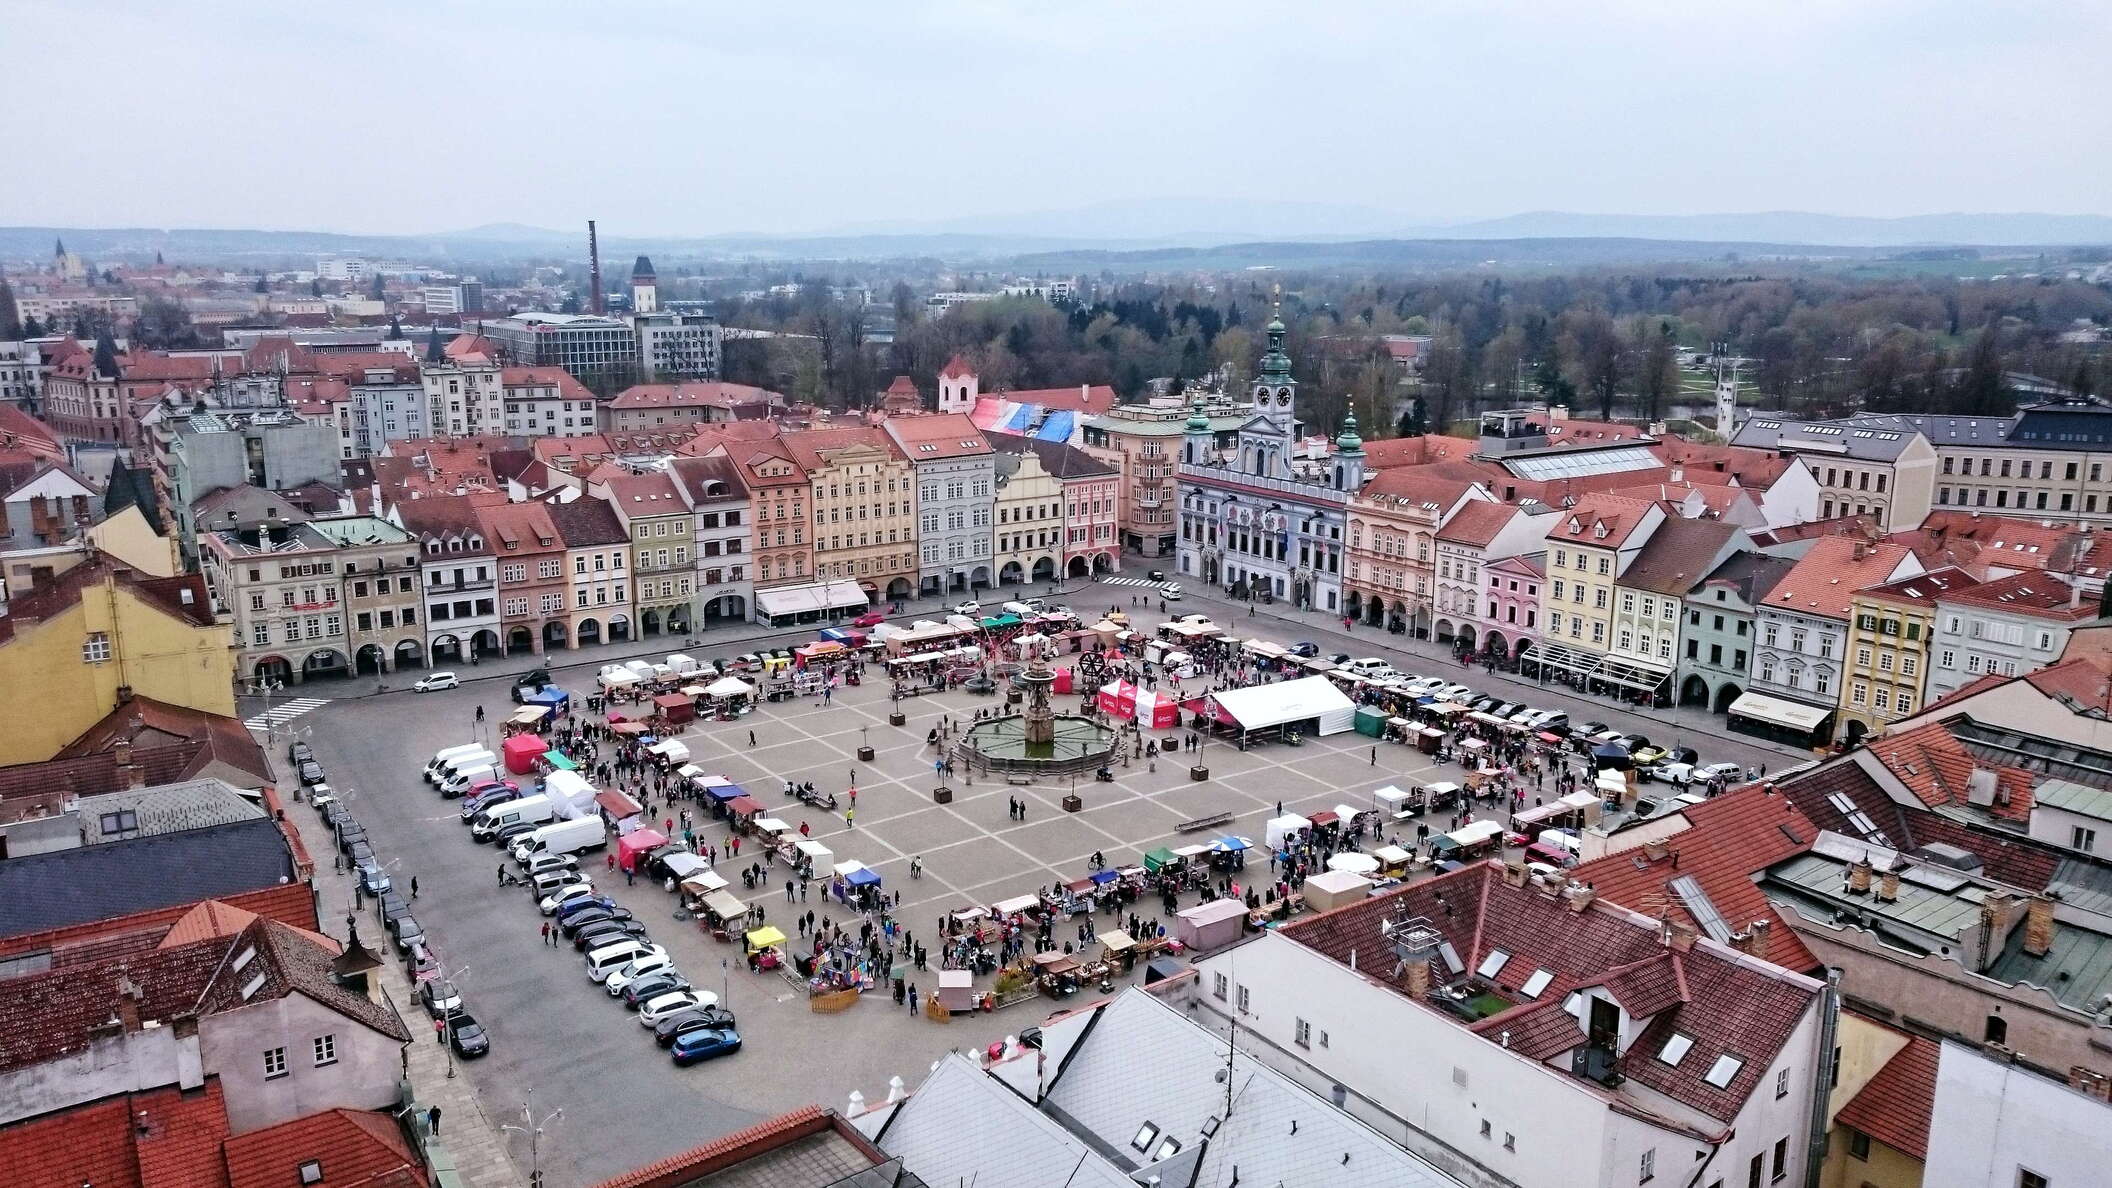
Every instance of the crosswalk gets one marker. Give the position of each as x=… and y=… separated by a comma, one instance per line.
x=1147, y=583
x=284, y=712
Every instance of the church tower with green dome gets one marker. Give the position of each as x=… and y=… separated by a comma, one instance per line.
x=1266, y=444
x=1349, y=455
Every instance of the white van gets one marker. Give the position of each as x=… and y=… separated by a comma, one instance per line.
x=609, y=958
x=561, y=837
x=462, y=779
x=1170, y=592
x=475, y=757
x=1561, y=839
x=534, y=810
x=1019, y=608
x=1371, y=668
x=683, y=665
x=440, y=758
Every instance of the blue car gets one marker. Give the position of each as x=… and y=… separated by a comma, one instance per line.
x=693, y=1046
x=573, y=906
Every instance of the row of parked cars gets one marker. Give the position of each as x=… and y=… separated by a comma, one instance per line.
x=404, y=934
x=1680, y=766
x=620, y=956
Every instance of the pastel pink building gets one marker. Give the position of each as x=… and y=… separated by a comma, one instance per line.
x=1511, y=607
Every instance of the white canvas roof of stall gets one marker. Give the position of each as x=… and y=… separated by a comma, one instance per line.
x=682, y=866
x=1192, y=630
x=1213, y=911
x=644, y=668
x=815, y=850
x=706, y=880
x=611, y=680
x=569, y=793
x=1018, y=903
x=725, y=906
x=1474, y=832
x=956, y=979
x=1442, y=786
x=1283, y=826
x=1259, y=707
x=694, y=691
x=1345, y=812
x=1262, y=647
x=689, y=771
x=847, y=869
x=770, y=825
x=1351, y=863
x=529, y=715
x=1189, y=851
x=962, y=623
x=1613, y=783
x=1392, y=855
x=1390, y=795
x=728, y=687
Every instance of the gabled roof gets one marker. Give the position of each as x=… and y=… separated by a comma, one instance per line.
x=1085, y=399
x=810, y=1145
x=1825, y=580
x=707, y=480
x=162, y=1138
x=115, y=878
x=2030, y=594
x=1418, y=450
x=543, y=377
x=1676, y=558
x=956, y=368
x=1923, y=589
x=1058, y=459
x=1415, y=486
x=182, y=597
x=1938, y=769
x=587, y=523
x=694, y=394
x=1601, y=521
x=1731, y=1006
x=936, y=436
x=1476, y=523
x=815, y=449
x=1894, y=1106
x=356, y=1148
x=520, y=529
x=1750, y=575
x=147, y=724
x=1753, y=469
x=1727, y=842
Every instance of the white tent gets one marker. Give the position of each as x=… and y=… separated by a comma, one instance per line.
x=1281, y=828
x=728, y=687
x=1308, y=699
x=570, y=794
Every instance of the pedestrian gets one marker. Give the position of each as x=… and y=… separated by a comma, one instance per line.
x=630, y=876
x=751, y=740
x=612, y=861
x=912, y=998
x=440, y=1031
x=502, y=872
x=546, y=932
x=1374, y=756
x=432, y=1120
x=850, y=818
x=414, y=886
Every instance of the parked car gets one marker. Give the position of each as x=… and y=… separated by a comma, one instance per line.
x=1646, y=753
x=298, y=752
x=566, y=910
x=1371, y=668
x=673, y=1003
x=574, y=923
x=568, y=893
x=348, y=833
x=1670, y=772
x=1452, y=692
x=373, y=879
x=652, y=986
x=504, y=837
x=542, y=864
x=439, y=998
x=608, y=932
x=705, y=1044
x=437, y=681
x=871, y=618
x=971, y=608
x=419, y=964
x=640, y=966
x=693, y=1019
x=492, y=794
x=392, y=905
x=1729, y=773
x=1305, y=649
x=468, y=1036
x=407, y=931
x=359, y=851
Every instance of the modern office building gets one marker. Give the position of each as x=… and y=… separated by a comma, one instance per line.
x=596, y=350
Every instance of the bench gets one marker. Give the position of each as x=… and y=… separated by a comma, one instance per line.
x=1019, y=781
x=1201, y=823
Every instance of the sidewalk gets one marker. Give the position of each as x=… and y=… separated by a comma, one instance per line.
x=726, y=640
x=470, y=1149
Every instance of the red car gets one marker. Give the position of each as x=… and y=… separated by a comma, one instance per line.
x=869, y=619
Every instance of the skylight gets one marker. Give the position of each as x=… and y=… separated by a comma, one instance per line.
x=1675, y=1049
x=1721, y=1072
x=1492, y=964
x=1535, y=984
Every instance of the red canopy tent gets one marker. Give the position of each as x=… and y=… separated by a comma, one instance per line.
x=1118, y=699
x=744, y=809
x=1156, y=711
x=677, y=708
x=632, y=847
x=521, y=752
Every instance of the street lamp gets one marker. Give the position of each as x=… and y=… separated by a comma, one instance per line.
x=534, y=1130
x=267, y=688
x=447, y=1024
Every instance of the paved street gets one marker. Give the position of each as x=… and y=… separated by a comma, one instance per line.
x=624, y=1104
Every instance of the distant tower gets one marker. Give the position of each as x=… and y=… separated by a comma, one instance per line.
x=1196, y=438
x=1726, y=396
x=958, y=387
x=1266, y=448
x=645, y=287
x=1349, y=455
x=594, y=267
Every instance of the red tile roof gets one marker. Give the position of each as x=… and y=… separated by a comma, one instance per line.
x=1727, y=1006
x=357, y=1149
x=956, y=367
x=1416, y=486
x=694, y=394
x=813, y=449
x=1414, y=451
x=1937, y=768
x=1085, y=398
x=1476, y=523
x=1923, y=588
x=937, y=436
x=543, y=377
x=292, y=904
x=1753, y=469
x=2079, y=682
x=1716, y=498
x=1894, y=1106
x=2032, y=594
x=1825, y=580
x=1728, y=840
x=699, y=1164
x=162, y=1138
x=147, y=724
x=1602, y=521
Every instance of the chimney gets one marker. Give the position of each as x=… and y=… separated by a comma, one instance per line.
x=2090, y=1081
x=1579, y=896
x=1757, y=937
x=129, y=995
x=1859, y=876
x=1418, y=973
x=1655, y=851
x=1888, y=886
x=1679, y=936
x=1514, y=873
x=2038, y=926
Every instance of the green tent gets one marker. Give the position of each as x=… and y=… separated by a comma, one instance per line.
x=558, y=760
x=1159, y=859
x=1000, y=622
x=1371, y=722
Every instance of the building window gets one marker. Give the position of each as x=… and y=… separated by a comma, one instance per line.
x=1781, y=1084
x=1242, y=995
x=2027, y=1178
x=274, y=1063
x=2084, y=840
x=1781, y=1161
x=1302, y=1034
x=1219, y=986
x=1858, y=1144
x=96, y=648
x=123, y=823
x=1996, y=1030
x=1649, y=1167
x=325, y=1050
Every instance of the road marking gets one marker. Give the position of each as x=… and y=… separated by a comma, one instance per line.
x=1147, y=583
x=279, y=715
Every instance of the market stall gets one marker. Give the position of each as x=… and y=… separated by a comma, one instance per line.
x=675, y=709
x=1393, y=861
x=956, y=991
x=722, y=914
x=528, y=717
x=1207, y=927
x=1057, y=974
x=632, y=847
x=1156, y=711
x=1330, y=889
x=1396, y=802
x=814, y=854
x=521, y=751
x=1282, y=829
x=1351, y=862
x=1308, y=705
x=742, y=812
x=1018, y=905
x=1160, y=859
x=1118, y=700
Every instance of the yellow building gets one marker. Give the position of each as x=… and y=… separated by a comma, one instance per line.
x=1029, y=524
x=1589, y=549
x=865, y=509
x=1888, y=649
x=70, y=647
x=1878, y=1114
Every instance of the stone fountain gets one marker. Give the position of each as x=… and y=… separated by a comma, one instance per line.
x=1038, y=739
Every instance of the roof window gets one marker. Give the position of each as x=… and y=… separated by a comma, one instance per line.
x=1721, y=1072
x=1675, y=1049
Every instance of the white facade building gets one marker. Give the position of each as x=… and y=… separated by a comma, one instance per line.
x=1998, y=1125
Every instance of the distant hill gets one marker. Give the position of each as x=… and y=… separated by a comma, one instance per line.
x=1798, y=227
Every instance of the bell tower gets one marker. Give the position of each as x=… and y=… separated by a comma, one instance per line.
x=1265, y=447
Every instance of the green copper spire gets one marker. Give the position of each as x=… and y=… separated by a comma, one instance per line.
x=1275, y=365
x=1198, y=420
x=1347, y=441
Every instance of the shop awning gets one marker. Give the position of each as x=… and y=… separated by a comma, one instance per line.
x=724, y=906
x=1775, y=711
x=1564, y=657
x=1644, y=676
x=811, y=599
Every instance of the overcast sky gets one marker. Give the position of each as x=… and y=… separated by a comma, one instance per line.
x=693, y=117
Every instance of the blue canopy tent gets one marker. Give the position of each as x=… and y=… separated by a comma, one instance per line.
x=549, y=695
x=1230, y=845
x=722, y=791
x=864, y=876
x=1101, y=878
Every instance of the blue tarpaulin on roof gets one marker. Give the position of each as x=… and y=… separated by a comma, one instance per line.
x=1058, y=426
x=1018, y=418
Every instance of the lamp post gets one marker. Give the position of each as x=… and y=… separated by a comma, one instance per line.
x=447, y=1021
x=534, y=1130
x=267, y=688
